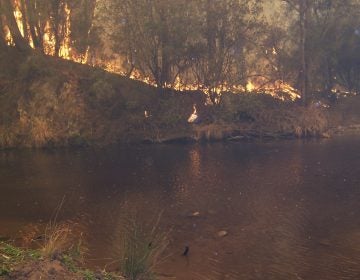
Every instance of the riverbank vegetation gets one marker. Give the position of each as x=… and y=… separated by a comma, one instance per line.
x=254, y=69
x=55, y=256
x=60, y=253
x=24, y=263
x=49, y=102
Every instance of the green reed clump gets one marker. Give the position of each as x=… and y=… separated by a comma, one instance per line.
x=143, y=249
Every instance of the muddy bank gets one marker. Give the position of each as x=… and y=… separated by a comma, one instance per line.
x=42, y=270
x=214, y=133
x=55, y=270
x=49, y=102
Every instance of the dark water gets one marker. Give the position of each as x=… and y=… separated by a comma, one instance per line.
x=291, y=209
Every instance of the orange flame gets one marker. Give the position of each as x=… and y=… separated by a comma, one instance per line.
x=276, y=89
x=8, y=38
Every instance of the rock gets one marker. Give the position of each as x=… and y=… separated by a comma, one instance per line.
x=222, y=233
x=325, y=242
x=195, y=214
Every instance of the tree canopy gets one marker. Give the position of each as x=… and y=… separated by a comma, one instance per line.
x=313, y=45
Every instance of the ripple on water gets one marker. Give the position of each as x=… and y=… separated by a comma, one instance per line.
x=286, y=207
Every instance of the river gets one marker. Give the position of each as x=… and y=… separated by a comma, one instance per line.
x=291, y=209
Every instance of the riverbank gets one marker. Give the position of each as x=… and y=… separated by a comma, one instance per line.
x=31, y=264
x=60, y=253
x=49, y=102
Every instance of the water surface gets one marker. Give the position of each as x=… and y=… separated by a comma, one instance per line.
x=291, y=208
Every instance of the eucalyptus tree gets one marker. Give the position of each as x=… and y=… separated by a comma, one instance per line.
x=321, y=30
x=228, y=31
x=153, y=36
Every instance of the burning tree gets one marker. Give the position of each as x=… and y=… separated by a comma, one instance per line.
x=213, y=45
x=7, y=9
x=47, y=25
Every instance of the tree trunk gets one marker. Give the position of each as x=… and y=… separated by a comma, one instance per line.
x=57, y=37
x=165, y=62
x=2, y=40
x=303, y=45
x=2, y=43
x=211, y=33
x=24, y=19
x=35, y=31
x=211, y=30
x=2, y=34
x=165, y=55
x=20, y=43
x=57, y=8
x=34, y=37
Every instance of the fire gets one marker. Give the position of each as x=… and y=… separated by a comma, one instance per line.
x=8, y=37
x=65, y=49
x=49, y=40
x=278, y=89
x=19, y=19
x=250, y=86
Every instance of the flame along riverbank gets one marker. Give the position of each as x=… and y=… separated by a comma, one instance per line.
x=278, y=89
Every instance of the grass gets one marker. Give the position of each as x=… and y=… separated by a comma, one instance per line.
x=57, y=240
x=14, y=258
x=11, y=256
x=143, y=249
x=58, y=237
